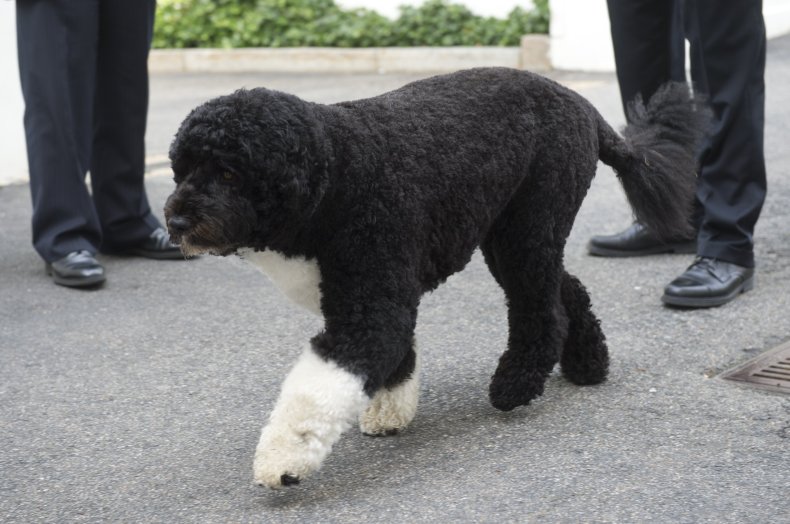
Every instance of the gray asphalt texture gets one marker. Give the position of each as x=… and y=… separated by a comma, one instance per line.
x=143, y=401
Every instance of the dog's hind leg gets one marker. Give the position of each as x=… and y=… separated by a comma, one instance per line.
x=528, y=268
x=585, y=357
x=524, y=250
x=393, y=406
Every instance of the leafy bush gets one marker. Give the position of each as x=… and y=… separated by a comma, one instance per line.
x=293, y=23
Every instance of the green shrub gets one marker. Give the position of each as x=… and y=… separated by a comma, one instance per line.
x=293, y=23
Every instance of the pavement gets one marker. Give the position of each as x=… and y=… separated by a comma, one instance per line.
x=143, y=401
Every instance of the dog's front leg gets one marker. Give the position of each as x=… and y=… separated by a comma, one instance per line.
x=319, y=400
x=394, y=405
x=369, y=328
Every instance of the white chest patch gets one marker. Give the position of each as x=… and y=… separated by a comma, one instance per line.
x=297, y=278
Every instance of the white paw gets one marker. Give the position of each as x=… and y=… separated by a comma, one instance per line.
x=318, y=401
x=286, y=455
x=391, y=410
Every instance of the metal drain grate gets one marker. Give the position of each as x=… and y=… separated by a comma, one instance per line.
x=770, y=370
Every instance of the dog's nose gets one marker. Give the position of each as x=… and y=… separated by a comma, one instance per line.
x=178, y=225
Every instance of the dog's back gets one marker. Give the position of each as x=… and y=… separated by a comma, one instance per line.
x=449, y=154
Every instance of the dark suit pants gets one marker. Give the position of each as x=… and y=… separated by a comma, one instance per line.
x=83, y=68
x=728, y=65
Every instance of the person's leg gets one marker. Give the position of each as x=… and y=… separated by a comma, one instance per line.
x=649, y=51
x=57, y=47
x=728, y=65
x=648, y=45
x=121, y=107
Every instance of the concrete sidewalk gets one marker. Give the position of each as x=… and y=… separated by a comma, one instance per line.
x=142, y=402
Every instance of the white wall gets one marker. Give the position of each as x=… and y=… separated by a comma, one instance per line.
x=13, y=158
x=580, y=39
x=777, y=17
x=497, y=8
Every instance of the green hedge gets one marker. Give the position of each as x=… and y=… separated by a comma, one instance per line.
x=294, y=23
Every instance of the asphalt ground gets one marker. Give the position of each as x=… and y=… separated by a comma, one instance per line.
x=143, y=401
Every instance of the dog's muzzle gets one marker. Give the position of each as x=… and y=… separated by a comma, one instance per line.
x=177, y=226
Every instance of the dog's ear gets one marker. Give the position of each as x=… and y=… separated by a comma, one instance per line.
x=202, y=138
x=290, y=165
x=289, y=148
x=179, y=152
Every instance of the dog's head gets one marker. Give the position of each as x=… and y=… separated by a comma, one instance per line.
x=249, y=168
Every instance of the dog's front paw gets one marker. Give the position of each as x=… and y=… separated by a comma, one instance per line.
x=270, y=478
x=379, y=421
x=274, y=482
x=391, y=410
x=285, y=456
x=319, y=400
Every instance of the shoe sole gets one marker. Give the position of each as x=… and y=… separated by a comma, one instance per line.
x=685, y=248
x=699, y=302
x=93, y=281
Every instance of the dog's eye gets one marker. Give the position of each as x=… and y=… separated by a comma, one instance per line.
x=228, y=176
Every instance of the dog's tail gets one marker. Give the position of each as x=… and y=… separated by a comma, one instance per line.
x=655, y=158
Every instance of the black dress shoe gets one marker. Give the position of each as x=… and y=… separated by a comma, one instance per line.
x=77, y=269
x=157, y=246
x=637, y=241
x=708, y=282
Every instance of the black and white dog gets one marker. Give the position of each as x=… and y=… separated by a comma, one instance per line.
x=356, y=209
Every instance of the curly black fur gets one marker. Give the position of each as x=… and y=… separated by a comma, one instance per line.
x=657, y=158
x=391, y=195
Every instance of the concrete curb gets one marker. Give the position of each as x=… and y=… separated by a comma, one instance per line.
x=533, y=54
